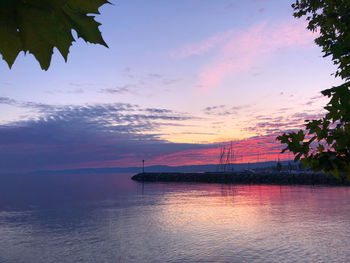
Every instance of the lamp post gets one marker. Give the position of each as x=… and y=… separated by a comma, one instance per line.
x=143, y=166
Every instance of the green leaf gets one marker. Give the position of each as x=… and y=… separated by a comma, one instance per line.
x=85, y=26
x=87, y=6
x=320, y=148
x=39, y=26
x=10, y=41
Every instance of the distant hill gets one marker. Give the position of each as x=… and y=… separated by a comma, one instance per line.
x=159, y=168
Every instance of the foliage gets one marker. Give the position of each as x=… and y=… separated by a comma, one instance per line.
x=37, y=26
x=326, y=146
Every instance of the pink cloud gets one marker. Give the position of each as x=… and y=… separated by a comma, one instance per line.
x=252, y=46
x=203, y=46
x=239, y=51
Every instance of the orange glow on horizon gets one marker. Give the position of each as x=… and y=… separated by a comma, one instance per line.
x=252, y=150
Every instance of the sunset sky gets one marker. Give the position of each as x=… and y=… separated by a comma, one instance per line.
x=178, y=79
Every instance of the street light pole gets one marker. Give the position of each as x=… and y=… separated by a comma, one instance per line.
x=143, y=166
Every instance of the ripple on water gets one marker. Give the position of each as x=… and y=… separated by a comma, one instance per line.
x=180, y=223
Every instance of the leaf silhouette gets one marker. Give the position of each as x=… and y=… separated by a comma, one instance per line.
x=38, y=26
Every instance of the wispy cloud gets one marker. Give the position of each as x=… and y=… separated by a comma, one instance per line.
x=244, y=51
x=130, y=88
x=236, y=51
x=73, y=136
x=281, y=122
x=141, y=85
x=203, y=46
x=223, y=110
x=7, y=101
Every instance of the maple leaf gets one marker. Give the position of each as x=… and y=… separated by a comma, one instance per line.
x=38, y=26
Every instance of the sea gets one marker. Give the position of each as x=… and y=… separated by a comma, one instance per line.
x=110, y=218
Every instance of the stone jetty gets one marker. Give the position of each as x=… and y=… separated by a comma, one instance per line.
x=246, y=177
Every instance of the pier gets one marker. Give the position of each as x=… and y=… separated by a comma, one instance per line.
x=246, y=177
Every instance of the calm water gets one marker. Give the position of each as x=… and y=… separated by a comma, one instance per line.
x=109, y=218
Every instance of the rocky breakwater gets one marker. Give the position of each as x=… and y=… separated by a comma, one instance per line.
x=284, y=178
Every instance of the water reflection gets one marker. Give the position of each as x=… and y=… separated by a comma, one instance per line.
x=109, y=218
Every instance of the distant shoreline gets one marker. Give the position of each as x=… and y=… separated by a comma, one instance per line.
x=247, y=177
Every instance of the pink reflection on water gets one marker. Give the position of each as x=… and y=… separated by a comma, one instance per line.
x=270, y=216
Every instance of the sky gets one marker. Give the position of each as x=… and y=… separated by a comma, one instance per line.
x=179, y=79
